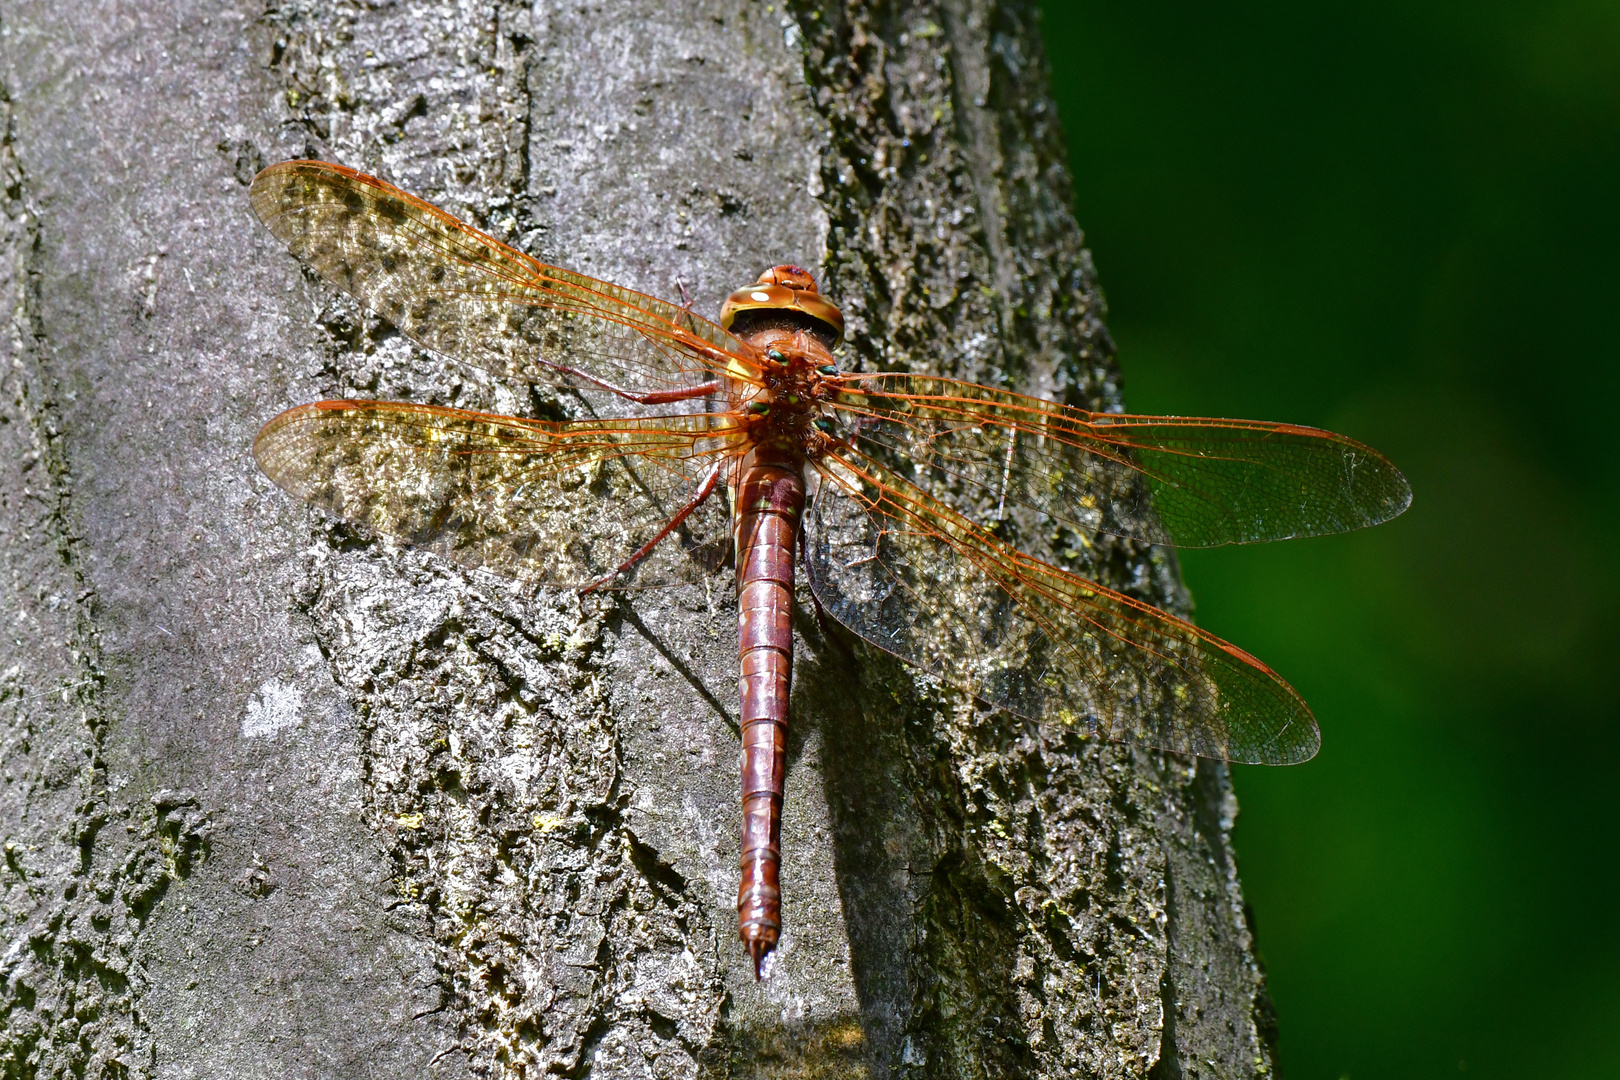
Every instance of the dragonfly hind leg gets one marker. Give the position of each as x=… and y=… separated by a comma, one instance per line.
x=706, y=487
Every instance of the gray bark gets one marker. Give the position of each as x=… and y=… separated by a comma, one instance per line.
x=283, y=800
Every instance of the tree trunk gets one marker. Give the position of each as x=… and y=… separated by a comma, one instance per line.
x=282, y=800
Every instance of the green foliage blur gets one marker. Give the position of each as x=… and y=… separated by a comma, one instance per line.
x=1400, y=221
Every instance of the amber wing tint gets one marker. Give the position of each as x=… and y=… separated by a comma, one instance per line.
x=896, y=542
x=453, y=289
x=919, y=580
x=554, y=503
x=1183, y=481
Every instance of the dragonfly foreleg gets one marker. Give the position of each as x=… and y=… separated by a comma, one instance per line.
x=710, y=481
x=652, y=397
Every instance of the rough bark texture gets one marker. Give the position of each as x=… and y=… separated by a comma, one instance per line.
x=282, y=800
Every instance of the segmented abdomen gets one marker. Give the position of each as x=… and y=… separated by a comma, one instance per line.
x=770, y=504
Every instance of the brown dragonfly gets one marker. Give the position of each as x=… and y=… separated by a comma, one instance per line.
x=901, y=493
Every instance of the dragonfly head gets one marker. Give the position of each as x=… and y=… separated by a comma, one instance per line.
x=784, y=298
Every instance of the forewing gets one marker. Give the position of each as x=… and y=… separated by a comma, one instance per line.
x=921, y=581
x=552, y=503
x=1184, y=481
x=453, y=289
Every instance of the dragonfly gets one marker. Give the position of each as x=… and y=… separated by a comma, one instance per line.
x=688, y=447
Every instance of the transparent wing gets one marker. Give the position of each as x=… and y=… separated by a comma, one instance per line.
x=453, y=289
x=921, y=581
x=1164, y=479
x=553, y=503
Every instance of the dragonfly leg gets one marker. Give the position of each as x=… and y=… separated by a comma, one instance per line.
x=652, y=397
x=661, y=397
x=706, y=488
x=832, y=631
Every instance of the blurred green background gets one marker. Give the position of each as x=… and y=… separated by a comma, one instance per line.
x=1400, y=221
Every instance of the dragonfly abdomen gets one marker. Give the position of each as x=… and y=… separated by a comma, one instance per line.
x=770, y=502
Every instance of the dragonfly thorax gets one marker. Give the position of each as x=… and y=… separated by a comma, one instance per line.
x=787, y=407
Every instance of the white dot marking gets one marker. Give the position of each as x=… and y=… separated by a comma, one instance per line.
x=276, y=706
x=760, y=296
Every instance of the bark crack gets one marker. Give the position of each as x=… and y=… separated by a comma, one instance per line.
x=75, y=892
